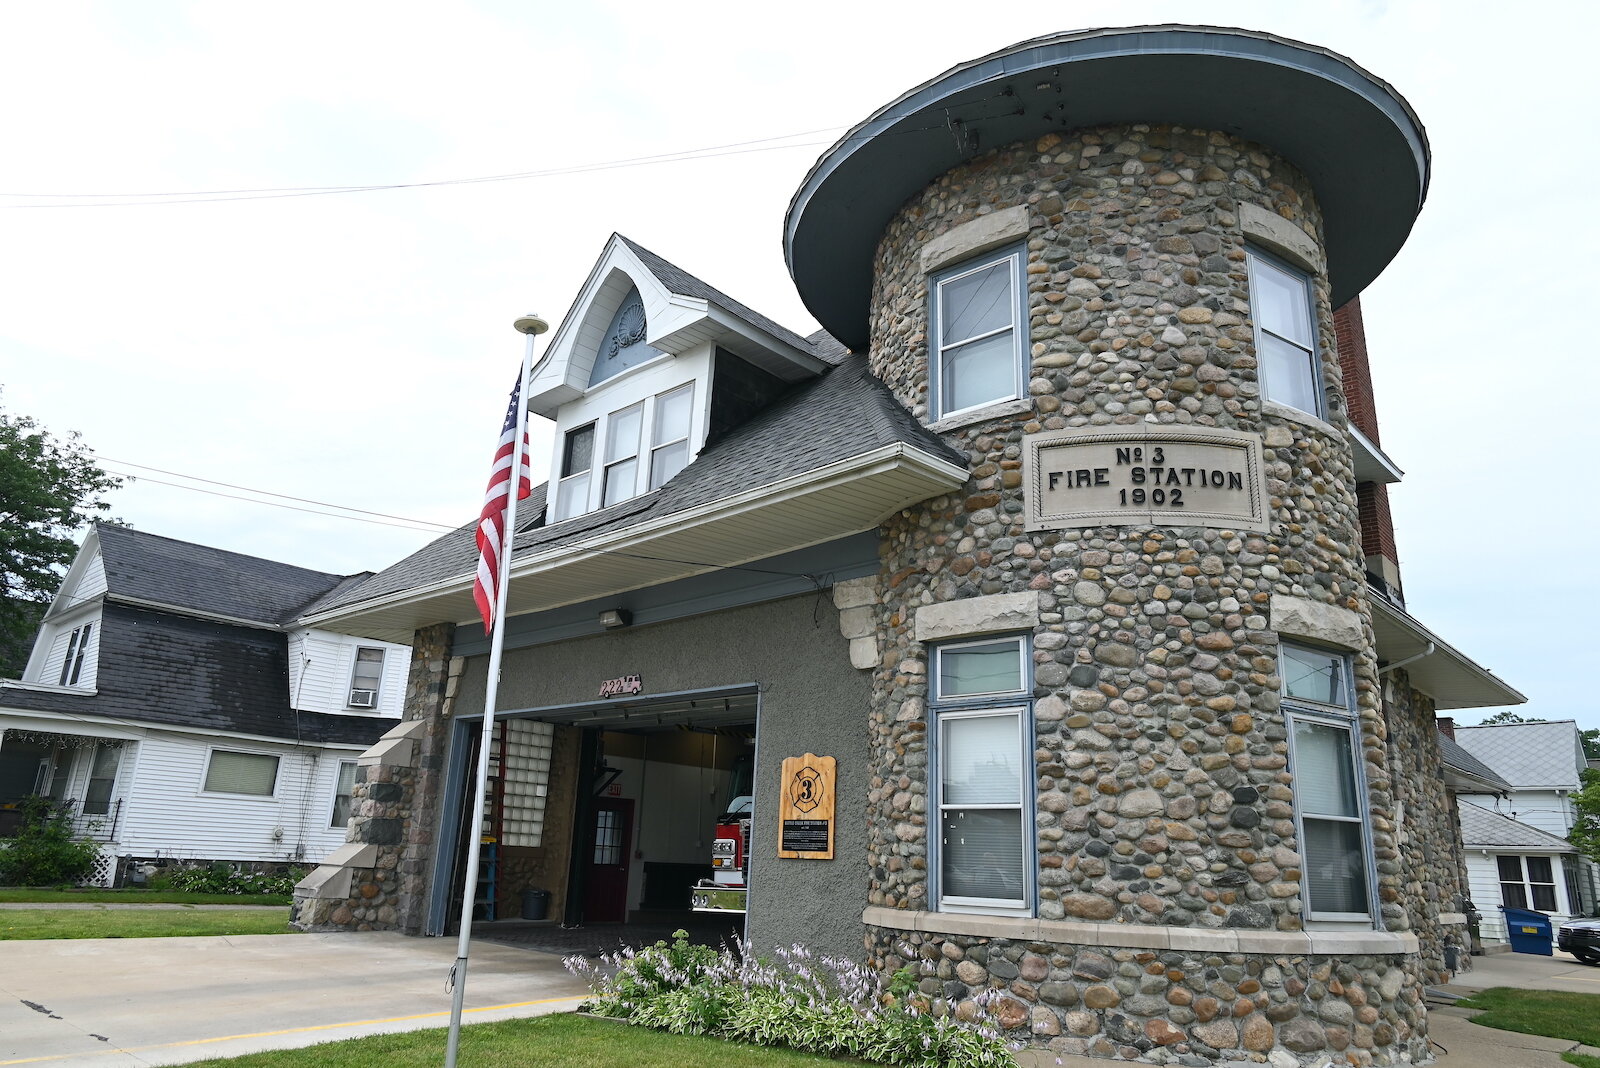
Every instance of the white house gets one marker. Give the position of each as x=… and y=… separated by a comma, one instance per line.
x=173, y=705
x=1515, y=841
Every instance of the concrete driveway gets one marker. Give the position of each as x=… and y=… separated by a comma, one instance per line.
x=113, y=1002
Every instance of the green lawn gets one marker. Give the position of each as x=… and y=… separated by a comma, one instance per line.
x=133, y=897
x=560, y=1041
x=140, y=923
x=1551, y=1013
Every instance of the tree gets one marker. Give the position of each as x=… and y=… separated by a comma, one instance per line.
x=1585, y=833
x=50, y=488
x=1505, y=715
x=1591, y=743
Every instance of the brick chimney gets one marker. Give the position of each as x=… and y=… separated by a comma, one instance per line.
x=1447, y=727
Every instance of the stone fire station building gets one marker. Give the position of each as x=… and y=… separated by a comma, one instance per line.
x=1068, y=540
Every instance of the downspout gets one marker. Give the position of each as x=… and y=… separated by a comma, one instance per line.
x=1429, y=651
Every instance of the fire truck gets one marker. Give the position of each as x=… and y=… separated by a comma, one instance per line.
x=729, y=884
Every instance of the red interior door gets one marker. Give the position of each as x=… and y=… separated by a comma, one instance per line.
x=608, y=864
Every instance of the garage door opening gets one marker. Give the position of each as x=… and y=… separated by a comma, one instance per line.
x=602, y=821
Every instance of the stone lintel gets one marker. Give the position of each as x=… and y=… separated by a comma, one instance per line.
x=1295, y=415
x=390, y=752
x=1143, y=935
x=974, y=616
x=329, y=882
x=1280, y=237
x=979, y=235
x=1300, y=617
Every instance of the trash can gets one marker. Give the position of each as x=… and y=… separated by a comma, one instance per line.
x=536, y=904
x=1529, y=931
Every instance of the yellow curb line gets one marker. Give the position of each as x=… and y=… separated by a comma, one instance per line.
x=289, y=1031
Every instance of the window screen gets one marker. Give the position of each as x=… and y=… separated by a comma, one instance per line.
x=241, y=773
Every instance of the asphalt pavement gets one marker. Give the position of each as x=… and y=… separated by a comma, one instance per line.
x=109, y=1003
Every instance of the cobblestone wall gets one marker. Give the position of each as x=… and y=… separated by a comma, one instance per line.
x=1161, y=752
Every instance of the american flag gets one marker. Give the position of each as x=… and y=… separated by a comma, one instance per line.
x=492, y=520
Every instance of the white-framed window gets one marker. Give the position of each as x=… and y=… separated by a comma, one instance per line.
x=102, y=777
x=622, y=454
x=669, y=434
x=1282, y=310
x=1329, y=788
x=1528, y=883
x=982, y=784
x=344, y=788
x=979, y=335
x=366, y=677
x=249, y=774
x=577, y=458
x=77, y=649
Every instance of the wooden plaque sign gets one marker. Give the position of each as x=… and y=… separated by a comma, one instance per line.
x=805, y=807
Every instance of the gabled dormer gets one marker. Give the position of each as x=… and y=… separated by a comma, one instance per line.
x=649, y=363
x=66, y=651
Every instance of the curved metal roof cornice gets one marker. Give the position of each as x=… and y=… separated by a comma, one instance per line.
x=1357, y=141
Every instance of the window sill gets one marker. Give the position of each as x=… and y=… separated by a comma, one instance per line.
x=1144, y=936
x=1295, y=415
x=997, y=410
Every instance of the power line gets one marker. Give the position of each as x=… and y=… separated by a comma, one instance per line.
x=269, y=493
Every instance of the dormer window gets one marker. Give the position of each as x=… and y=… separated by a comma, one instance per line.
x=669, y=438
x=622, y=454
x=624, y=345
x=77, y=650
x=577, y=457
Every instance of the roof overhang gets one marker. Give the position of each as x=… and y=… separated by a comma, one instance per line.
x=1435, y=667
x=843, y=498
x=1371, y=462
x=1355, y=138
x=1463, y=781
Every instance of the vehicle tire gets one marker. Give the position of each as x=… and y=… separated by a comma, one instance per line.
x=1587, y=956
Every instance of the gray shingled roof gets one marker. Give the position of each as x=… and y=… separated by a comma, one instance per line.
x=166, y=669
x=1482, y=829
x=1454, y=755
x=183, y=575
x=844, y=413
x=681, y=282
x=1528, y=754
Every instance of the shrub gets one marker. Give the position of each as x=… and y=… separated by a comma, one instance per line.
x=44, y=852
x=828, y=1005
x=220, y=878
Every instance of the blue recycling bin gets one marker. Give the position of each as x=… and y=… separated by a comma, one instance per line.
x=1529, y=931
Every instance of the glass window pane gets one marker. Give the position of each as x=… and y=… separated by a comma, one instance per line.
x=1336, y=877
x=1324, y=780
x=572, y=497
x=672, y=415
x=1544, y=897
x=980, y=761
x=343, y=790
x=1286, y=374
x=668, y=461
x=1281, y=303
x=368, y=669
x=975, y=303
x=1510, y=869
x=622, y=436
x=579, y=455
x=1514, y=895
x=1312, y=676
x=978, y=373
x=981, y=854
x=994, y=667
x=1539, y=870
x=621, y=482
x=241, y=773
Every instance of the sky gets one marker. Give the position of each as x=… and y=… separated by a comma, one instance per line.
x=356, y=347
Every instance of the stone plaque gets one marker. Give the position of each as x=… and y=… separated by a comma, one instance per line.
x=805, y=808
x=1161, y=476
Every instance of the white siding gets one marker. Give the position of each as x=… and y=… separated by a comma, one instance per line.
x=93, y=583
x=55, y=638
x=320, y=665
x=1483, y=886
x=168, y=814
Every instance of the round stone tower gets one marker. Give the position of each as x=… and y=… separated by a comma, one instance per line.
x=1129, y=758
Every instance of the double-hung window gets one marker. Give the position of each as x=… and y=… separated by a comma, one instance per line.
x=669, y=435
x=1528, y=883
x=981, y=778
x=102, y=777
x=979, y=333
x=344, y=789
x=366, y=678
x=622, y=454
x=1285, y=334
x=1328, y=785
x=77, y=649
x=577, y=458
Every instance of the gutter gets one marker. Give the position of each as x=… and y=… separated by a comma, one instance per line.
x=1429, y=651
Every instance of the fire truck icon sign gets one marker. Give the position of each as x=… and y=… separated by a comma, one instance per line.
x=806, y=789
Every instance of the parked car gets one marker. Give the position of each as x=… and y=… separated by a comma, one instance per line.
x=1581, y=938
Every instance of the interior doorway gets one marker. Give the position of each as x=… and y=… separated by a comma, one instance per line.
x=609, y=861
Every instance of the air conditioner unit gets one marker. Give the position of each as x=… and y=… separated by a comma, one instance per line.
x=363, y=698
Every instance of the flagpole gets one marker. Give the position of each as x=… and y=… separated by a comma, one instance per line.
x=532, y=326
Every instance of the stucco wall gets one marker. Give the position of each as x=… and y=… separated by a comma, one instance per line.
x=811, y=700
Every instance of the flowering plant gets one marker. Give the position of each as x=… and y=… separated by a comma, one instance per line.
x=826, y=1005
